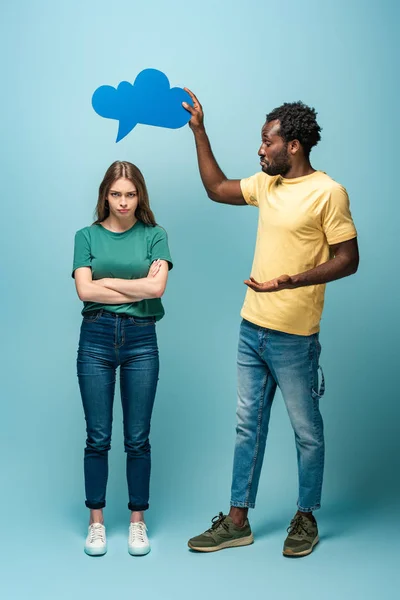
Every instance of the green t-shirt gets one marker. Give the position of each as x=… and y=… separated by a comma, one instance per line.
x=126, y=255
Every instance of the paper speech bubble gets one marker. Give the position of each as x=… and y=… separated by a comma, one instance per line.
x=149, y=100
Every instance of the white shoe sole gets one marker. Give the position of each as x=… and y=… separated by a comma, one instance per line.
x=95, y=551
x=139, y=551
x=244, y=541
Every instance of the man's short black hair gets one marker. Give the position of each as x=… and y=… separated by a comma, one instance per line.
x=298, y=122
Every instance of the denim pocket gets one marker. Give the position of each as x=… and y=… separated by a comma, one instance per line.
x=142, y=321
x=321, y=391
x=92, y=316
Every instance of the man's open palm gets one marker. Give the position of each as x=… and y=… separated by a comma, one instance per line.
x=284, y=282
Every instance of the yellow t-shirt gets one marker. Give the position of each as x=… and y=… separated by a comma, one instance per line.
x=298, y=220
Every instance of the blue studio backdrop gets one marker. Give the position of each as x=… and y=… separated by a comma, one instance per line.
x=242, y=59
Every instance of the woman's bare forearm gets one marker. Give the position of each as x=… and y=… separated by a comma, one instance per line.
x=136, y=289
x=92, y=292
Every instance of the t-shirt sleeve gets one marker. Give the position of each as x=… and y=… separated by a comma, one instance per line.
x=160, y=248
x=82, y=254
x=250, y=189
x=337, y=222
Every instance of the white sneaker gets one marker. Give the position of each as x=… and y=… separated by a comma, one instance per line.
x=96, y=543
x=138, y=542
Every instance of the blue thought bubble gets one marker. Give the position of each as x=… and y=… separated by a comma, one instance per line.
x=149, y=101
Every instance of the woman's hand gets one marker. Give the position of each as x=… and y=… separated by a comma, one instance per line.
x=154, y=268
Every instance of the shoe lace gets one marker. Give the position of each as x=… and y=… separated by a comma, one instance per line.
x=96, y=532
x=297, y=525
x=218, y=521
x=137, y=532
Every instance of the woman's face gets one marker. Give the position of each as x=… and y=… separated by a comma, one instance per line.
x=123, y=199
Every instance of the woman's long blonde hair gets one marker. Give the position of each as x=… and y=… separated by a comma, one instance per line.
x=129, y=171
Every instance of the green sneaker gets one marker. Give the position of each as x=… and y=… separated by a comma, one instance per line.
x=223, y=533
x=303, y=536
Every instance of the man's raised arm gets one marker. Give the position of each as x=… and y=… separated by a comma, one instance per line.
x=218, y=187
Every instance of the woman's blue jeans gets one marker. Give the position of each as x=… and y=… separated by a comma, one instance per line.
x=108, y=341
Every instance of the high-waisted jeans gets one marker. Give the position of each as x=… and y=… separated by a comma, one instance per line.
x=267, y=359
x=108, y=341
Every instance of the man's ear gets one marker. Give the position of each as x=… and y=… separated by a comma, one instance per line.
x=294, y=146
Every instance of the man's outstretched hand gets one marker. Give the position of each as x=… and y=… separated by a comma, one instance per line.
x=197, y=118
x=284, y=282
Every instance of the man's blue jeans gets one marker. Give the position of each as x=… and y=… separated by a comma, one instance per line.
x=267, y=359
x=107, y=341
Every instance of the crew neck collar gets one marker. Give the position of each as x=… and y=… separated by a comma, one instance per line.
x=119, y=233
x=292, y=180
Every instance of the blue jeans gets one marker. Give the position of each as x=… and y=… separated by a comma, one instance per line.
x=108, y=340
x=267, y=359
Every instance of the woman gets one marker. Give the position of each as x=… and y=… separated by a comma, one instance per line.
x=121, y=265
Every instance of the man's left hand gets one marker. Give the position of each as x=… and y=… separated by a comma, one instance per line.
x=284, y=282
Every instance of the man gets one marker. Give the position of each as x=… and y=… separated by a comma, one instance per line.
x=306, y=238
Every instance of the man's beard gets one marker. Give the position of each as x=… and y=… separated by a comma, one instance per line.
x=281, y=164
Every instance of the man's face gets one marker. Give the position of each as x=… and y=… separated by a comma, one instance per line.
x=273, y=152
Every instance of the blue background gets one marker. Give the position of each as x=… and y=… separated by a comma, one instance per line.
x=242, y=59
